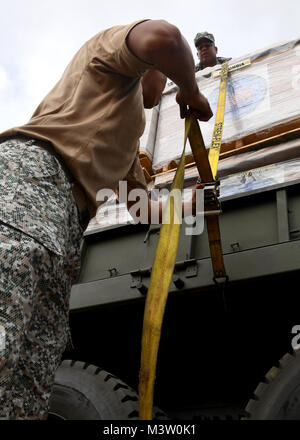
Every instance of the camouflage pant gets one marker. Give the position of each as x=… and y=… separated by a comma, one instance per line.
x=39, y=260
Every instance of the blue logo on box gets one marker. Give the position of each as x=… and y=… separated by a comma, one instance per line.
x=242, y=96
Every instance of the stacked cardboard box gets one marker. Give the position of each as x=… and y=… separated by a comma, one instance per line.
x=262, y=102
x=261, y=128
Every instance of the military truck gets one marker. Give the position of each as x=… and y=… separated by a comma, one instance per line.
x=226, y=352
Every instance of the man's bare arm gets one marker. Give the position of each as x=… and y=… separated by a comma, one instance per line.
x=161, y=44
x=188, y=207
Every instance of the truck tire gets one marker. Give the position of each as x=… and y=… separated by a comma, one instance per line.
x=85, y=392
x=278, y=398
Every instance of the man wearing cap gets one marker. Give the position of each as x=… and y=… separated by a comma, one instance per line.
x=207, y=51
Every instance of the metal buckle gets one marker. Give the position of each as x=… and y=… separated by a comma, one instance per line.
x=212, y=204
x=221, y=280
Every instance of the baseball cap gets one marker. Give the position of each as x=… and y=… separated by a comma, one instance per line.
x=203, y=35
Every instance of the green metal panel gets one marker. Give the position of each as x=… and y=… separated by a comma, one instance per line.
x=282, y=216
x=251, y=222
x=113, y=252
x=241, y=266
x=294, y=213
x=260, y=237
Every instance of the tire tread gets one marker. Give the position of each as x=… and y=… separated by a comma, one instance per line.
x=262, y=388
x=126, y=395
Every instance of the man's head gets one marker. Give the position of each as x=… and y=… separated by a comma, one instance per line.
x=206, y=49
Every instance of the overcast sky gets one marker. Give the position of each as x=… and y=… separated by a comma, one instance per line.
x=39, y=37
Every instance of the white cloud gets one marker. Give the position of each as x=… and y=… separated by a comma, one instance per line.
x=3, y=79
x=41, y=37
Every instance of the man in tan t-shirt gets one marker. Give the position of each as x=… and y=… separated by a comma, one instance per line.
x=82, y=138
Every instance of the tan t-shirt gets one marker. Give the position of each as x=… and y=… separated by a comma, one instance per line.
x=94, y=115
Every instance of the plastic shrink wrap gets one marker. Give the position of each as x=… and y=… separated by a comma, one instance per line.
x=262, y=177
x=147, y=141
x=239, y=163
x=236, y=184
x=262, y=100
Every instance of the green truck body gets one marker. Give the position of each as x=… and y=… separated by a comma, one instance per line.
x=216, y=344
x=225, y=351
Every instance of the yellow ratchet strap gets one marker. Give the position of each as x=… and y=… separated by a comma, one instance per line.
x=211, y=202
x=166, y=250
x=207, y=168
x=212, y=221
x=214, y=150
x=160, y=280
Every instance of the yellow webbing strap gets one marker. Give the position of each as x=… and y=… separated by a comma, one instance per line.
x=199, y=152
x=212, y=221
x=215, y=246
x=215, y=147
x=160, y=280
x=207, y=168
x=166, y=250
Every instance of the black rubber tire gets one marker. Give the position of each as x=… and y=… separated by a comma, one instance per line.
x=85, y=392
x=278, y=398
